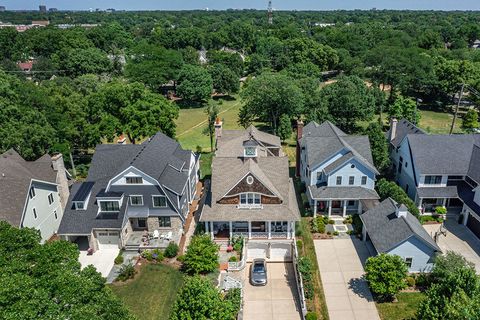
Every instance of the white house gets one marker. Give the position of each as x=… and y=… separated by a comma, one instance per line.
x=337, y=169
x=33, y=194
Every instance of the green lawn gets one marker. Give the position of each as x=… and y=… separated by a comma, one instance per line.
x=192, y=121
x=152, y=293
x=404, y=309
x=439, y=122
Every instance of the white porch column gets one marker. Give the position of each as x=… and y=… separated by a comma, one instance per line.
x=329, y=208
x=289, y=230
x=230, y=226
x=344, y=208
x=314, y=208
x=269, y=224
x=359, y=207
x=206, y=226
x=444, y=202
x=364, y=233
x=420, y=200
x=211, y=230
x=249, y=230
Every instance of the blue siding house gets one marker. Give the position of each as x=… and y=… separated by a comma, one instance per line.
x=394, y=230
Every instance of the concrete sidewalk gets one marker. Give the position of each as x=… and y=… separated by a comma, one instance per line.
x=341, y=269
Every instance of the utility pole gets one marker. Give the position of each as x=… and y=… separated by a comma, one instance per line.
x=456, y=109
x=270, y=12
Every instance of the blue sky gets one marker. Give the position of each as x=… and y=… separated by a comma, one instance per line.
x=258, y=4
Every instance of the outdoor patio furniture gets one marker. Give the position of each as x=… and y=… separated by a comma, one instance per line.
x=169, y=235
x=156, y=234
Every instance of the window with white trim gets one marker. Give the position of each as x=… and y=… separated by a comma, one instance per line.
x=109, y=206
x=339, y=181
x=433, y=179
x=50, y=198
x=250, y=152
x=133, y=180
x=159, y=201
x=136, y=200
x=351, y=180
x=250, y=199
x=364, y=180
x=79, y=205
x=164, y=222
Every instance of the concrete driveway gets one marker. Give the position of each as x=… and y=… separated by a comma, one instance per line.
x=275, y=301
x=101, y=259
x=341, y=269
x=459, y=239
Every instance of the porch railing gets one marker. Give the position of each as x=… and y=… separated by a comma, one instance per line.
x=239, y=265
x=262, y=235
x=279, y=235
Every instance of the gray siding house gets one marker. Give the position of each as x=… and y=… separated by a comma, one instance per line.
x=337, y=169
x=33, y=194
x=438, y=170
x=393, y=230
x=134, y=195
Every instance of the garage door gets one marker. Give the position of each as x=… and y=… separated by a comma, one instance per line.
x=280, y=252
x=474, y=225
x=256, y=250
x=107, y=237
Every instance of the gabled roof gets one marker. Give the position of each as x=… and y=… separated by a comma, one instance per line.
x=404, y=127
x=15, y=177
x=386, y=230
x=474, y=167
x=324, y=141
x=231, y=143
x=442, y=154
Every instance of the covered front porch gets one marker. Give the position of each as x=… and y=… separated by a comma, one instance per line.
x=219, y=230
x=337, y=207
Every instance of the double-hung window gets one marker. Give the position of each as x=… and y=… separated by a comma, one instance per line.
x=339, y=181
x=31, y=193
x=351, y=180
x=159, y=201
x=50, y=198
x=408, y=262
x=136, y=200
x=364, y=180
x=164, y=222
x=433, y=179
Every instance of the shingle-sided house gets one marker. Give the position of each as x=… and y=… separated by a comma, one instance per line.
x=33, y=193
x=251, y=193
x=394, y=230
x=336, y=168
x=132, y=190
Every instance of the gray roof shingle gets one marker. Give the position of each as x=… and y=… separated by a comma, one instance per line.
x=321, y=192
x=474, y=167
x=442, y=154
x=15, y=177
x=404, y=127
x=386, y=230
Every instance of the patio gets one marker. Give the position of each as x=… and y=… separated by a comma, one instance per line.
x=137, y=240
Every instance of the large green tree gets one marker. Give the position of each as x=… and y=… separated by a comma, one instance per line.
x=46, y=282
x=224, y=80
x=268, y=97
x=201, y=255
x=386, y=275
x=470, y=121
x=194, y=84
x=379, y=146
x=348, y=100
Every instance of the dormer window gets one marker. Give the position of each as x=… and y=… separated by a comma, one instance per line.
x=134, y=180
x=250, y=152
x=79, y=205
x=250, y=199
x=81, y=198
x=109, y=206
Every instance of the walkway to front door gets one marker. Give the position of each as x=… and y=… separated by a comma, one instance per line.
x=341, y=269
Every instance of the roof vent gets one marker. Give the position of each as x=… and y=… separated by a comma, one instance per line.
x=401, y=211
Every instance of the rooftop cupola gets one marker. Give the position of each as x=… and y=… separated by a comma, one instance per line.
x=250, y=148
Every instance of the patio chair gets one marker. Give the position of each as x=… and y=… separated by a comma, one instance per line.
x=168, y=236
x=156, y=234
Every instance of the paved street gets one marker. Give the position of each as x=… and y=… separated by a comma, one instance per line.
x=341, y=270
x=459, y=239
x=275, y=301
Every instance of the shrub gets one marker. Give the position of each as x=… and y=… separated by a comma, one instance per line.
x=318, y=225
x=348, y=220
x=335, y=233
x=233, y=259
x=311, y=316
x=237, y=243
x=119, y=259
x=299, y=244
x=386, y=275
x=181, y=258
x=201, y=255
x=199, y=149
x=157, y=255
x=423, y=279
x=440, y=210
x=147, y=254
x=331, y=221
x=357, y=224
x=171, y=250
x=127, y=271
x=305, y=269
x=410, y=281
x=234, y=297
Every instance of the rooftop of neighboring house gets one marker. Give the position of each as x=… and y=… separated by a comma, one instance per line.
x=399, y=129
x=230, y=167
x=323, y=141
x=389, y=224
x=16, y=175
x=160, y=157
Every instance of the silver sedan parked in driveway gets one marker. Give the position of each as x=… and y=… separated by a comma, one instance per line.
x=258, y=272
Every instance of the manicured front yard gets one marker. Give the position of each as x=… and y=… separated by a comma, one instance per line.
x=151, y=294
x=404, y=309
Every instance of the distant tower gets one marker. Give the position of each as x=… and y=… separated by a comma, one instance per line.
x=270, y=12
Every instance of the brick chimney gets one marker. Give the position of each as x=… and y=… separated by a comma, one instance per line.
x=218, y=128
x=299, y=136
x=62, y=181
x=393, y=128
